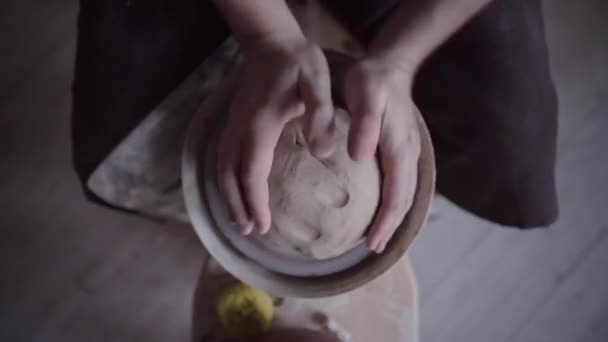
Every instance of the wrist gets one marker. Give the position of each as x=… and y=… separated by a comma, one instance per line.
x=255, y=21
x=398, y=69
x=276, y=41
x=401, y=62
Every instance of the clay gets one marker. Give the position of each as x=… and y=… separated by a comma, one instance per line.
x=321, y=208
x=242, y=256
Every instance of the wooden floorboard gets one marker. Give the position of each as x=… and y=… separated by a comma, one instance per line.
x=493, y=290
x=72, y=271
x=598, y=329
x=31, y=32
x=450, y=236
x=575, y=309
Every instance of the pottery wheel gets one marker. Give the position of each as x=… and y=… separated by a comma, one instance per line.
x=283, y=271
x=282, y=258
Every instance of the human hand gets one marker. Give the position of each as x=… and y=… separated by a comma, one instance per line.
x=283, y=77
x=378, y=96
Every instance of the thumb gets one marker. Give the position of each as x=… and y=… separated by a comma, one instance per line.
x=320, y=130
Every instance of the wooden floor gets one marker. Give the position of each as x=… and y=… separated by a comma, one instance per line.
x=479, y=282
x=71, y=271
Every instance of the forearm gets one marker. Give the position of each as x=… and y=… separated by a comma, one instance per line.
x=418, y=27
x=250, y=20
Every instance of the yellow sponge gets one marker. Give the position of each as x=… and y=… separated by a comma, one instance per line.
x=243, y=310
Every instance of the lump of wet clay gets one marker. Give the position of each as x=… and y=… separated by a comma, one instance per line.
x=320, y=208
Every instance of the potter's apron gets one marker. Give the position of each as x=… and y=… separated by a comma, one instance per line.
x=486, y=95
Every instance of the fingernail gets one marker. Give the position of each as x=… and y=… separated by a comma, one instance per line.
x=372, y=244
x=247, y=229
x=261, y=229
x=264, y=230
x=321, y=150
x=383, y=245
x=359, y=155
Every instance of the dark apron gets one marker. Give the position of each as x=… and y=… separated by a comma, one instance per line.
x=486, y=95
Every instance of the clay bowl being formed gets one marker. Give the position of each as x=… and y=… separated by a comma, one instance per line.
x=255, y=262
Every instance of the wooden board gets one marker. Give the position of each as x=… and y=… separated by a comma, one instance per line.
x=384, y=310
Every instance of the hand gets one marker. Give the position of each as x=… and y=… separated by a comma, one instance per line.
x=378, y=95
x=283, y=77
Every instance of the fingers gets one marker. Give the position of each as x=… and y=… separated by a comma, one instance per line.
x=367, y=106
x=392, y=205
x=397, y=195
x=243, y=180
x=399, y=165
x=315, y=90
x=257, y=156
x=244, y=163
x=229, y=186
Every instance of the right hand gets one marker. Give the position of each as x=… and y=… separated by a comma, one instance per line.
x=283, y=77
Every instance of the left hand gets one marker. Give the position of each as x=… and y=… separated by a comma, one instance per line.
x=384, y=118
